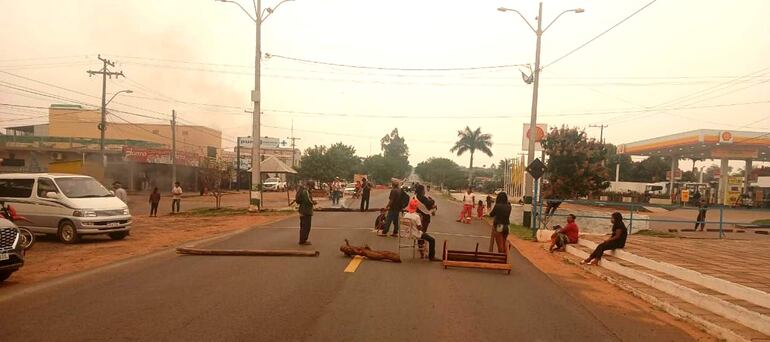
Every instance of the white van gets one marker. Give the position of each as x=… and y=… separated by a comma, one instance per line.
x=66, y=205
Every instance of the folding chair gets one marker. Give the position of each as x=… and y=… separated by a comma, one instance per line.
x=408, y=237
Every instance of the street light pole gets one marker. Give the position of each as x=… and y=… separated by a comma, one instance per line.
x=255, y=190
x=528, y=185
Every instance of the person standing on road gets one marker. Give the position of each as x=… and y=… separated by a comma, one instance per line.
x=120, y=193
x=154, y=201
x=701, y=219
x=176, y=199
x=426, y=208
x=469, y=200
x=366, y=190
x=501, y=213
x=394, y=208
x=305, y=202
x=618, y=240
x=336, y=191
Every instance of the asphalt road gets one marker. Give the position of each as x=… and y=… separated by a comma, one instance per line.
x=198, y=298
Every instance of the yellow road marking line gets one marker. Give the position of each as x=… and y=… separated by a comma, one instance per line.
x=353, y=265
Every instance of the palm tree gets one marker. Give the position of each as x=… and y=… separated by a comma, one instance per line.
x=470, y=141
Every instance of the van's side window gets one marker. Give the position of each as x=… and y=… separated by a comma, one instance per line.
x=44, y=186
x=16, y=188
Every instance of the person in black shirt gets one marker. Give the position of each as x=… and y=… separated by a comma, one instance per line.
x=366, y=189
x=618, y=240
x=502, y=216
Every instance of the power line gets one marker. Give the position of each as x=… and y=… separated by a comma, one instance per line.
x=599, y=35
x=267, y=55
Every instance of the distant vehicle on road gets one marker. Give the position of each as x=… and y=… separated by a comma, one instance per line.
x=274, y=184
x=66, y=205
x=350, y=189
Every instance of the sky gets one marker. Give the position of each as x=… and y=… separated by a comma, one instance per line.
x=676, y=65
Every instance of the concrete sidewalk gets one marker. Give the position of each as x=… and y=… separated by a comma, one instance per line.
x=739, y=261
x=721, y=285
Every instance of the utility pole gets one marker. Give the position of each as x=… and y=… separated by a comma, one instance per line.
x=238, y=163
x=103, y=122
x=601, y=131
x=293, y=139
x=173, y=148
x=255, y=198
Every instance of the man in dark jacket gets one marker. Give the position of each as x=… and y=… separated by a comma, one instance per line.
x=366, y=189
x=305, y=202
x=394, y=209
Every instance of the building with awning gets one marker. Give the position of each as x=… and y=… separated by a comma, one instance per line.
x=724, y=145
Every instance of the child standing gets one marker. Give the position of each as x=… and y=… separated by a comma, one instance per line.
x=480, y=209
x=154, y=201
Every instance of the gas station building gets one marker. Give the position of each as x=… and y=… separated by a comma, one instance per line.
x=705, y=144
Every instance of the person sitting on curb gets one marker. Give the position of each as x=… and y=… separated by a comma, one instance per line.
x=411, y=215
x=565, y=235
x=618, y=240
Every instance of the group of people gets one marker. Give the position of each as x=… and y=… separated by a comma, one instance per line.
x=176, y=199
x=419, y=210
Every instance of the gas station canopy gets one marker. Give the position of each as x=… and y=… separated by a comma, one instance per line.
x=704, y=144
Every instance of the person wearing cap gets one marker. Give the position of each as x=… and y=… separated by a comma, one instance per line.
x=411, y=215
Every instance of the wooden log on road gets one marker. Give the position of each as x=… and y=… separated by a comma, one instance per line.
x=369, y=253
x=246, y=252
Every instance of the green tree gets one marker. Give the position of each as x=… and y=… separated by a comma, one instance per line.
x=313, y=164
x=470, y=141
x=341, y=161
x=374, y=167
x=396, y=155
x=442, y=172
x=574, y=165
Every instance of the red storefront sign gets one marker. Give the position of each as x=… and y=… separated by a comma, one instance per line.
x=160, y=156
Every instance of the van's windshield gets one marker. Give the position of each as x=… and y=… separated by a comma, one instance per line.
x=81, y=187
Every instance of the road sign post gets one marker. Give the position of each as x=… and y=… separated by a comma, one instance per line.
x=536, y=169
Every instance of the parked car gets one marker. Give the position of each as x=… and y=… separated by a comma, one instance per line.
x=273, y=184
x=66, y=205
x=350, y=189
x=11, y=250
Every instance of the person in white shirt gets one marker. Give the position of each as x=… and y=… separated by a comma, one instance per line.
x=411, y=215
x=120, y=192
x=176, y=194
x=469, y=200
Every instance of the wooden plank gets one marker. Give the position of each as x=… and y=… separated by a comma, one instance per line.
x=451, y=251
x=475, y=259
x=246, y=252
x=482, y=265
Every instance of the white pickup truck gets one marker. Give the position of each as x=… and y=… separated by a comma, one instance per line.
x=274, y=184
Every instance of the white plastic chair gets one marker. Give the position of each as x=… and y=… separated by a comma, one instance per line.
x=409, y=233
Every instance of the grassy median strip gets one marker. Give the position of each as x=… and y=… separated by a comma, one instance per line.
x=227, y=211
x=521, y=232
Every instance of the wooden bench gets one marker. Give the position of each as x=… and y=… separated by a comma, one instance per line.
x=476, y=259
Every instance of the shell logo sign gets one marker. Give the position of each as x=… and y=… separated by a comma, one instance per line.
x=539, y=135
x=725, y=137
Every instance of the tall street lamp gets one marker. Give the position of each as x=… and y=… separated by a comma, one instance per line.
x=533, y=118
x=103, y=124
x=259, y=17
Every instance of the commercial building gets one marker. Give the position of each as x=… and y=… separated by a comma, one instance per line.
x=137, y=154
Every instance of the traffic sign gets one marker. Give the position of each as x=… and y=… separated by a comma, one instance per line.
x=536, y=168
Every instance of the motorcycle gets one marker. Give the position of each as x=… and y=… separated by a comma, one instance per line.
x=26, y=238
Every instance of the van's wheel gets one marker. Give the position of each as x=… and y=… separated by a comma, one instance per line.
x=118, y=235
x=68, y=233
x=5, y=274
